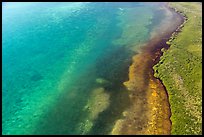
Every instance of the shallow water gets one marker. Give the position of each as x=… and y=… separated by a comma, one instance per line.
x=59, y=57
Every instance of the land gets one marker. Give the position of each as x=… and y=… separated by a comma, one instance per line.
x=180, y=70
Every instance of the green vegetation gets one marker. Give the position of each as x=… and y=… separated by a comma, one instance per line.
x=180, y=70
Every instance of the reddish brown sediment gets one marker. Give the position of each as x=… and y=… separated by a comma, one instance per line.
x=150, y=111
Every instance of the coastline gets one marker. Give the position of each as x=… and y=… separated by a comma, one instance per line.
x=147, y=93
x=170, y=38
x=180, y=69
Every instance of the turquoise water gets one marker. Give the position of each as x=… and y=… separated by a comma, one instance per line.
x=64, y=64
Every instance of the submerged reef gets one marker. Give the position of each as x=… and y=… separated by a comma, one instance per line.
x=97, y=103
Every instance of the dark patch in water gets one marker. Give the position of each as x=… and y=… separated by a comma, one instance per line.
x=113, y=67
x=36, y=77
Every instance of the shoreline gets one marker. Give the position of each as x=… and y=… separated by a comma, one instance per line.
x=183, y=80
x=172, y=36
x=166, y=46
x=147, y=93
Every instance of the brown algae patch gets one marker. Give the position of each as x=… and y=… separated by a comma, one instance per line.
x=150, y=112
x=159, y=111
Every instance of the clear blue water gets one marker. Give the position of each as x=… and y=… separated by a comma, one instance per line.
x=59, y=58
